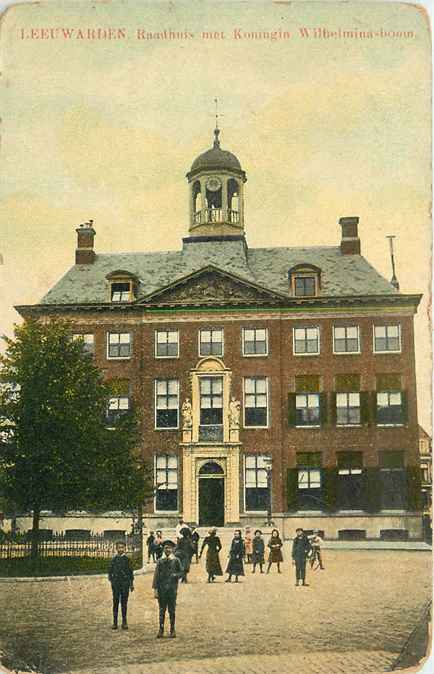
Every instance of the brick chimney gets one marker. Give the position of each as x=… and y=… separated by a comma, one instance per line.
x=350, y=242
x=85, y=253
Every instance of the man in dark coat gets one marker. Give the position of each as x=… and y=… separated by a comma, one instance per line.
x=167, y=573
x=300, y=551
x=121, y=578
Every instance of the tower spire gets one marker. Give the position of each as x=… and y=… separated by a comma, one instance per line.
x=216, y=130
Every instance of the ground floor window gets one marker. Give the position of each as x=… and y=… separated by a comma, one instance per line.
x=393, y=480
x=309, y=481
x=256, y=483
x=350, y=481
x=166, y=482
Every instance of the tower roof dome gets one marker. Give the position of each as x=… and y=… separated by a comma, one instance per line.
x=217, y=159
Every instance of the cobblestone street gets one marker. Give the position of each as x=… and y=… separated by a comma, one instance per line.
x=355, y=616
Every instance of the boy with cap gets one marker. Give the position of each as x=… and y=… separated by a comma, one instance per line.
x=300, y=551
x=121, y=577
x=165, y=585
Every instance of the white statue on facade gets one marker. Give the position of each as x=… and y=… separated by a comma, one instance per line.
x=234, y=413
x=187, y=414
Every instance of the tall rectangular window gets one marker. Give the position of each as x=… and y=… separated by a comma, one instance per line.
x=211, y=342
x=255, y=341
x=166, y=482
x=256, y=483
x=393, y=480
x=211, y=408
x=305, y=286
x=350, y=481
x=309, y=481
x=166, y=344
x=119, y=401
x=119, y=345
x=307, y=409
x=387, y=338
x=306, y=341
x=255, y=402
x=389, y=408
x=88, y=341
x=346, y=339
x=166, y=403
x=348, y=409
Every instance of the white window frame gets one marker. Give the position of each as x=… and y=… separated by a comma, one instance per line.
x=267, y=393
x=306, y=327
x=346, y=353
x=126, y=332
x=254, y=355
x=387, y=325
x=165, y=428
x=388, y=393
x=268, y=457
x=120, y=281
x=347, y=407
x=168, y=512
x=309, y=470
x=82, y=335
x=318, y=395
x=211, y=355
x=156, y=342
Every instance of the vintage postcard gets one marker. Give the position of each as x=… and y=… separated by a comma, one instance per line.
x=215, y=370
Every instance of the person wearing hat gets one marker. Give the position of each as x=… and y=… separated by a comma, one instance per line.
x=167, y=573
x=235, y=565
x=258, y=551
x=195, y=537
x=213, y=566
x=184, y=551
x=300, y=551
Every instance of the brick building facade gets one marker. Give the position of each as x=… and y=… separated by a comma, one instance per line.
x=289, y=368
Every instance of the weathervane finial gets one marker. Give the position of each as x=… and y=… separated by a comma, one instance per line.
x=216, y=130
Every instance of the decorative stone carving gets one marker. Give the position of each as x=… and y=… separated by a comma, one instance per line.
x=211, y=287
x=187, y=414
x=234, y=413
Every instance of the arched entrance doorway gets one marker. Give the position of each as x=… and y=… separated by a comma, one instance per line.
x=211, y=495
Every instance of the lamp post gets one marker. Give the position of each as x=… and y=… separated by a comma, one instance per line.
x=269, y=468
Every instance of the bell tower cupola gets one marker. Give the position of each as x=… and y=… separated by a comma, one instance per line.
x=216, y=193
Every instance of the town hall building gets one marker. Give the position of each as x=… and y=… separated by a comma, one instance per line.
x=270, y=380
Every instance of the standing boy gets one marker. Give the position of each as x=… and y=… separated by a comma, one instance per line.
x=300, y=550
x=165, y=585
x=121, y=578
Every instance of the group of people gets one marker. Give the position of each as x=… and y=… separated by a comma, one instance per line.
x=173, y=562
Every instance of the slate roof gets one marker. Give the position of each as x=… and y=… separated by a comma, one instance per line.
x=341, y=275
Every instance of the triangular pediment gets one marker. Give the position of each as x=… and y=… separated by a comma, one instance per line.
x=211, y=286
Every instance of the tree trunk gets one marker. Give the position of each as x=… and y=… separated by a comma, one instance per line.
x=35, y=533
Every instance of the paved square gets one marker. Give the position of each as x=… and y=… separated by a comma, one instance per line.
x=354, y=617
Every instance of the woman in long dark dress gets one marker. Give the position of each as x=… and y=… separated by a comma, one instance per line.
x=275, y=555
x=235, y=565
x=184, y=551
x=213, y=544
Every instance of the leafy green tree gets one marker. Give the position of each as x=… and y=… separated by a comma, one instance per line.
x=56, y=451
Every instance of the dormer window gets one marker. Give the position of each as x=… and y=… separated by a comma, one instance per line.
x=121, y=292
x=122, y=286
x=304, y=280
